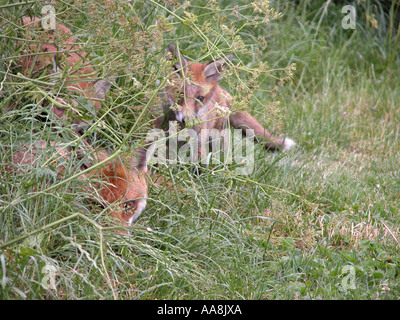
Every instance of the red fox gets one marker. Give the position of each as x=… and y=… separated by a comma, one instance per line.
x=61, y=48
x=199, y=96
x=60, y=44
x=126, y=184
x=123, y=184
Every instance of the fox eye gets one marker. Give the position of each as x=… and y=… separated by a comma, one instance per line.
x=129, y=205
x=200, y=98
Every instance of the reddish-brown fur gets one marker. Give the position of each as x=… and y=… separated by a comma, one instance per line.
x=121, y=183
x=204, y=100
x=62, y=51
x=61, y=43
x=124, y=184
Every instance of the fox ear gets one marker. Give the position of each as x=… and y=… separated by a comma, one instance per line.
x=101, y=87
x=212, y=71
x=172, y=53
x=139, y=159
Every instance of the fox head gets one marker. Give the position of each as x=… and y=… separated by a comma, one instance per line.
x=195, y=86
x=126, y=186
x=61, y=45
x=57, y=52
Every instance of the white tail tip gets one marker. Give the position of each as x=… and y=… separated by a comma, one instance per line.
x=288, y=144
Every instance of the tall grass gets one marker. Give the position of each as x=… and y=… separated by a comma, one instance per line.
x=291, y=230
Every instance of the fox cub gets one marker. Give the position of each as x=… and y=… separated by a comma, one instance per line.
x=196, y=90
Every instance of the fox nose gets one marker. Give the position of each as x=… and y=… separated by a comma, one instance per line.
x=179, y=116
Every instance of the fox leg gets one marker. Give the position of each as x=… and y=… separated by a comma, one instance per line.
x=244, y=120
